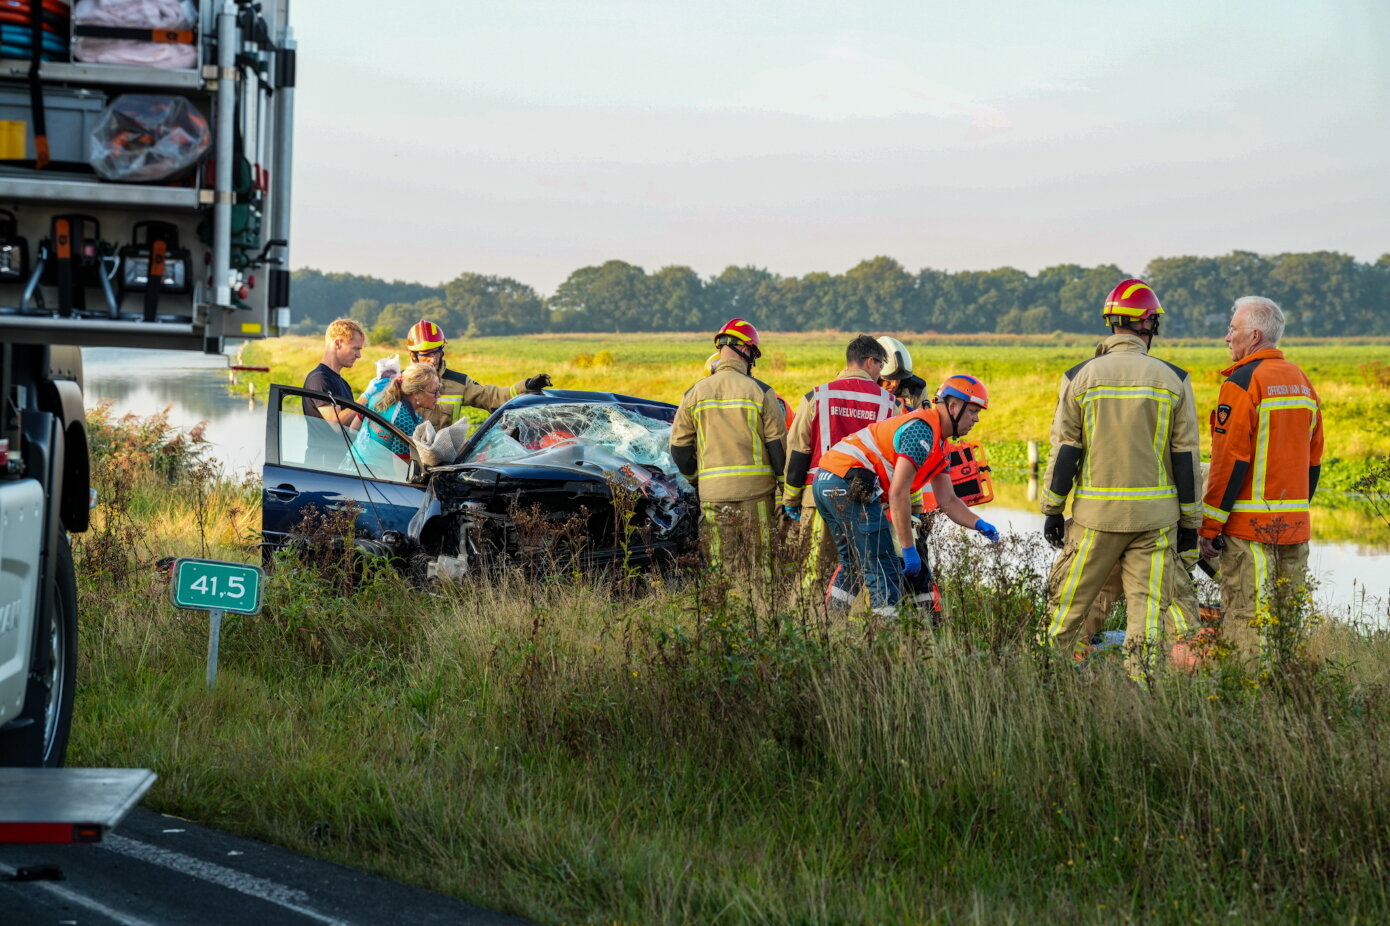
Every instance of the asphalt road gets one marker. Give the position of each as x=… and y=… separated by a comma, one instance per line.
x=161, y=871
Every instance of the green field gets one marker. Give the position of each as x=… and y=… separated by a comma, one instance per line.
x=1352, y=377
x=633, y=750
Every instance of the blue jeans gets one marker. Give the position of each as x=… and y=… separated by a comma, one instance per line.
x=864, y=539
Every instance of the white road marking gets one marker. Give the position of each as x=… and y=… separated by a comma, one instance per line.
x=78, y=900
x=260, y=888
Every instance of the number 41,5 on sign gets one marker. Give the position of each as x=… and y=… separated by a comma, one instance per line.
x=215, y=587
x=209, y=585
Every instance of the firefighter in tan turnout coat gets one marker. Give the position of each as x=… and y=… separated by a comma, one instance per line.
x=426, y=342
x=1125, y=447
x=729, y=436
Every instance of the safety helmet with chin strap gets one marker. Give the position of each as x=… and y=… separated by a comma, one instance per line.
x=1132, y=301
x=741, y=337
x=968, y=389
x=425, y=335
x=899, y=363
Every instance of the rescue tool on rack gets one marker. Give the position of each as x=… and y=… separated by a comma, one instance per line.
x=14, y=250
x=73, y=258
x=154, y=254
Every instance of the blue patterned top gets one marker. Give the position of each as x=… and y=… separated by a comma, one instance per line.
x=402, y=415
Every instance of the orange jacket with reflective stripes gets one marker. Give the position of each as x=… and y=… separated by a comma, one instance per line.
x=1266, y=450
x=872, y=448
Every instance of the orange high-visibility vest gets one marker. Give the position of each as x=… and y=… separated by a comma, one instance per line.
x=872, y=448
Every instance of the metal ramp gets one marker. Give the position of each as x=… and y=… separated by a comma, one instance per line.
x=67, y=805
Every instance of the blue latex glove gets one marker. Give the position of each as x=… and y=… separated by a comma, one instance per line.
x=792, y=512
x=990, y=532
x=912, y=561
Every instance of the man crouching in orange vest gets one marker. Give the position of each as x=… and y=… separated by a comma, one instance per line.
x=885, y=463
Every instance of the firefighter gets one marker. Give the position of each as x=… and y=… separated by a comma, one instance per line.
x=1124, y=445
x=1184, y=613
x=1266, y=452
x=729, y=436
x=713, y=360
x=426, y=344
x=869, y=477
x=829, y=413
x=897, y=376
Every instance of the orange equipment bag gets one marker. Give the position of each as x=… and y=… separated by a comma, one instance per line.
x=969, y=472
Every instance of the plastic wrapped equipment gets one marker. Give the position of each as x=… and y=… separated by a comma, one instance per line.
x=441, y=447
x=163, y=15
x=142, y=137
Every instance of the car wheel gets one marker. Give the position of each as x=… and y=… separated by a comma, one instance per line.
x=40, y=736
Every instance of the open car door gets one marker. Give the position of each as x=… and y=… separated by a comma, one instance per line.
x=311, y=463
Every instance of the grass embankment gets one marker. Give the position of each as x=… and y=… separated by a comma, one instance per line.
x=573, y=752
x=1351, y=376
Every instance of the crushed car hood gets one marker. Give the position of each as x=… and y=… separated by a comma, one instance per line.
x=566, y=456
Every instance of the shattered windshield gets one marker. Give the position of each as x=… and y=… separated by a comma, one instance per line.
x=623, y=432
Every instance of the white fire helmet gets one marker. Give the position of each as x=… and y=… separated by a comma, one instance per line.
x=899, y=365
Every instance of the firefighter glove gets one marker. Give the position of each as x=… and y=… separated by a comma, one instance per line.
x=792, y=512
x=988, y=530
x=538, y=382
x=1055, y=530
x=1187, y=546
x=912, y=561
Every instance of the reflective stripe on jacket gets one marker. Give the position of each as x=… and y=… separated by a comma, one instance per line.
x=460, y=390
x=828, y=414
x=1122, y=419
x=1266, y=439
x=872, y=448
x=730, y=418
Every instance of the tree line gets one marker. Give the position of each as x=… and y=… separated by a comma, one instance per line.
x=1323, y=293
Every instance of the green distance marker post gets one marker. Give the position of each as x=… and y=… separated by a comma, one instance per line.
x=216, y=587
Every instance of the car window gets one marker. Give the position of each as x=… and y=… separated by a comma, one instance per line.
x=310, y=442
x=625, y=432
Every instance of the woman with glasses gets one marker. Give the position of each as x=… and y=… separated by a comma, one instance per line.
x=405, y=401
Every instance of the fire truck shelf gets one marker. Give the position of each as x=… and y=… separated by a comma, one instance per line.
x=87, y=192
x=99, y=332
x=115, y=75
x=67, y=805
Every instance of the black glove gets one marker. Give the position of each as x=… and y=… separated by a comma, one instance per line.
x=538, y=382
x=912, y=386
x=1187, y=539
x=1055, y=530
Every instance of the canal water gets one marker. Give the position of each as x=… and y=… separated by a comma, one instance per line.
x=1353, y=577
x=192, y=386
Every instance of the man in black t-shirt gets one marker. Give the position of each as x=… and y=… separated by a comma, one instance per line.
x=342, y=345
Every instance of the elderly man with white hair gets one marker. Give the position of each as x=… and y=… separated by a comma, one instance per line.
x=1266, y=450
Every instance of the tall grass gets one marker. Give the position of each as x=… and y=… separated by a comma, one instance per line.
x=684, y=748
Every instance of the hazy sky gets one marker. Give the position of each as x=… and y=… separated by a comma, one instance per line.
x=528, y=139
